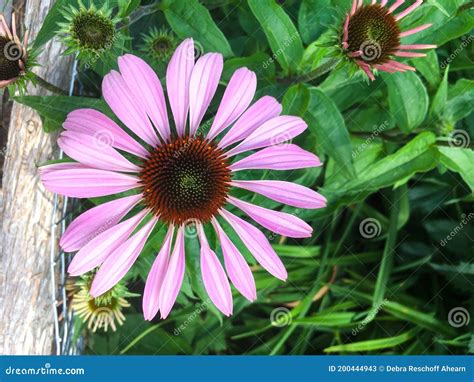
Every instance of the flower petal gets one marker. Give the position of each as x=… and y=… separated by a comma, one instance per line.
x=214, y=277
x=260, y=112
x=94, y=152
x=151, y=294
x=87, y=183
x=127, y=108
x=257, y=244
x=273, y=132
x=237, y=268
x=49, y=168
x=121, y=260
x=178, y=76
x=174, y=276
x=284, y=192
x=146, y=88
x=276, y=221
x=281, y=157
x=237, y=97
x=96, y=124
x=203, y=86
x=99, y=248
x=95, y=221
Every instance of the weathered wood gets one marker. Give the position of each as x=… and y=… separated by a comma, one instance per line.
x=26, y=317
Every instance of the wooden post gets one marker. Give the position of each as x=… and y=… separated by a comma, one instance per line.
x=26, y=316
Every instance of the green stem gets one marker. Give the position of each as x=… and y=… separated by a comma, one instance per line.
x=314, y=74
x=49, y=86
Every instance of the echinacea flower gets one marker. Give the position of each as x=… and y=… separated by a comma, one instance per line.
x=159, y=45
x=101, y=312
x=88, y=31
x=13, y=53
x=372, y=36
x=179, y=177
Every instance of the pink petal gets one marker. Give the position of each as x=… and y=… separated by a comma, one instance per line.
x=151, y=301
x=146, y=88
x=346, y=32
x=273, y=132
x=257, y=244
x=281, y=157
x=174, y=276
x=94, y=152
x=417, y=46
x=409, y=10
x=395, y=6
x=237, y=268
x=354, y=7
x=116, y=266
x=409, y=54
x=214, y=277
x=49, y=168
x=96, y=124
x=284, y=192
x=415, y=30
x=95, y=221
x=178, y=76
x=260, y=112
x=399, y=65
x=100, y=247
x=127, y=108
x=87, y=183
x=237, y=97
x=276, y=221
x=203, y=86
x=366, y=68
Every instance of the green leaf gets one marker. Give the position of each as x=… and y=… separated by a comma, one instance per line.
x=441, y=97
x=408, y=99
x=281, y=33
x=188, y=18
x=258, y=62
x=54, y=109
x=459, y=160
x=429, y=68
x=371, y=345
x=327, y=124
x=296, y=100
x=50, y=24
x=460, y=100
x=313, y=17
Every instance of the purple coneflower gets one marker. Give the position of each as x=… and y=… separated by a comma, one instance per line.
x=13, y=53
x=178, y=177
x=372, y=34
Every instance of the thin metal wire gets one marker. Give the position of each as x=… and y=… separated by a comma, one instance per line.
x=63, y=326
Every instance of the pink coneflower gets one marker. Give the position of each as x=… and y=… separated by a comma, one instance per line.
x=178, y=177
x=13, y=53
x=372, y=34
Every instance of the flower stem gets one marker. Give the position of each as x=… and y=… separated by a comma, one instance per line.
x=314, y=74
x=49, y=86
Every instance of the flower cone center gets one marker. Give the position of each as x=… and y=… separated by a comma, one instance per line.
x=93, y=31
x=10, y=55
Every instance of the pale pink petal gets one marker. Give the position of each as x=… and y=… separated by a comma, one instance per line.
x=415, y=30
x=146, y=88
x=279, y=222
x=281, y=157
x=94, y=152
x=366, y=68
x=409, y=10
x=202, y=87
x=95, y=221
x=257, y=244
x=87, y=183
x=346, y=32
x=96, y=124
x=116, y=266
x=174, y=276
x=178, y=76
x=101, y=246
x=383, y=3
x=395, y=6
x=273, y=132
x=399, y=65
x=409, y=54
x=387, y=68
x=284, y=192
x=127, y=108
x=151, y=301
x=260, y=112
x=354, y=7
x=237, y=268
x=43, y=170
x=214, y=277
x=417, y=46
x=237, y=97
